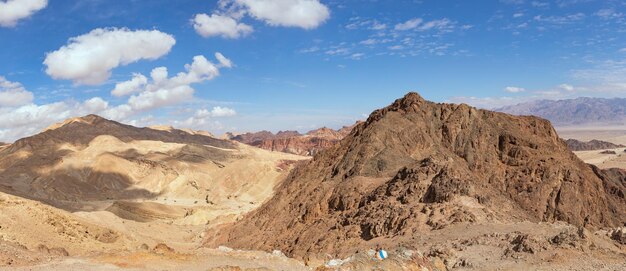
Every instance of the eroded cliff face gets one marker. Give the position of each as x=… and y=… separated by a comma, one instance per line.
x=293, y=142
x=417, y=166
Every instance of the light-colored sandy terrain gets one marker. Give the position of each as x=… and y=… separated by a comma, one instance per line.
x=604, y=160
x=108, y=203
x=616, y=135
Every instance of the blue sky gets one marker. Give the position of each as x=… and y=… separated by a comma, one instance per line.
x=296, y=64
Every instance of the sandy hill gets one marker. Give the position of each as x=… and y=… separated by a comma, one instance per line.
x=89, y=163
x=292, y=141
x=417, y=170
x=577, y=145
x=90, y=187
x=579, y=111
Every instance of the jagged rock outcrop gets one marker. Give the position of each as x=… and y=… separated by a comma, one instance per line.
x=418, y=166
x=576, y=145
x=294, y=142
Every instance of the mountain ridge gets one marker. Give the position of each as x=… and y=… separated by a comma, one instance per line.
x=578, y=111
x=292, y=141
x=393, y=174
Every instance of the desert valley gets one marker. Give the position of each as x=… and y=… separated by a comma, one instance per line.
x=438, y=186
x=313, y=135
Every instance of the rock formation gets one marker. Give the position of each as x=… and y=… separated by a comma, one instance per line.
x=292, y=141
x=576, y=145
x=418, y=166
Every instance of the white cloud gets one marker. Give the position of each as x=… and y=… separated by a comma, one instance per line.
x=307, y=14
x=129, y=87
x=435, y=24
x=609, y=13
x=560, y=20
x=514, y=89
x=11, y=11
x=562, y=91
x=408, y=25
x=224, y=62
x=567, y=87
x=88, y=59
x=164, y=91
x=13, y=94
x=225, y=22
x=484, y=102
x=160, y=97
x=357, y=56
x=26, y=120
x=216, y=112
x=203, y=118
x=378, y=26
x=420, y=25
x=220, y=25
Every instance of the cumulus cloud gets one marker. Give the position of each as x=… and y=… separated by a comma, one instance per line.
x=163, y=90
x=220, y=25
x=25, y=118
x=13, y=93
x=204, y=118
x=225, y=22
x=160, y=97
x=216, y=112
x=131, y=86
x=11, y=11
x=29, y=119
x=88, y=59
x=307, y=14
x=514, y=89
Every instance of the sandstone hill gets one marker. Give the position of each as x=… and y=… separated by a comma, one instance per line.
x=592, y=145
x=579, y=111
x=416, y=167
x=92, y=163
x=292, y=141
x=90, y=193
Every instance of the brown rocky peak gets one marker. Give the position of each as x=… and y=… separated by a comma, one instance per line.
x=419, y=166
x=325, y=132
x=91, y=119
x=409, y=100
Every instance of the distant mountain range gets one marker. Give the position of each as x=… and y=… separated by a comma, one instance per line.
x=579, y=111
x=577, y=145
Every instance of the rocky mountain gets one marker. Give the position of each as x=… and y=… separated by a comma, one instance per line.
x=577, y=145
x=579, y=111
x=417, y=166
x=292, y=141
